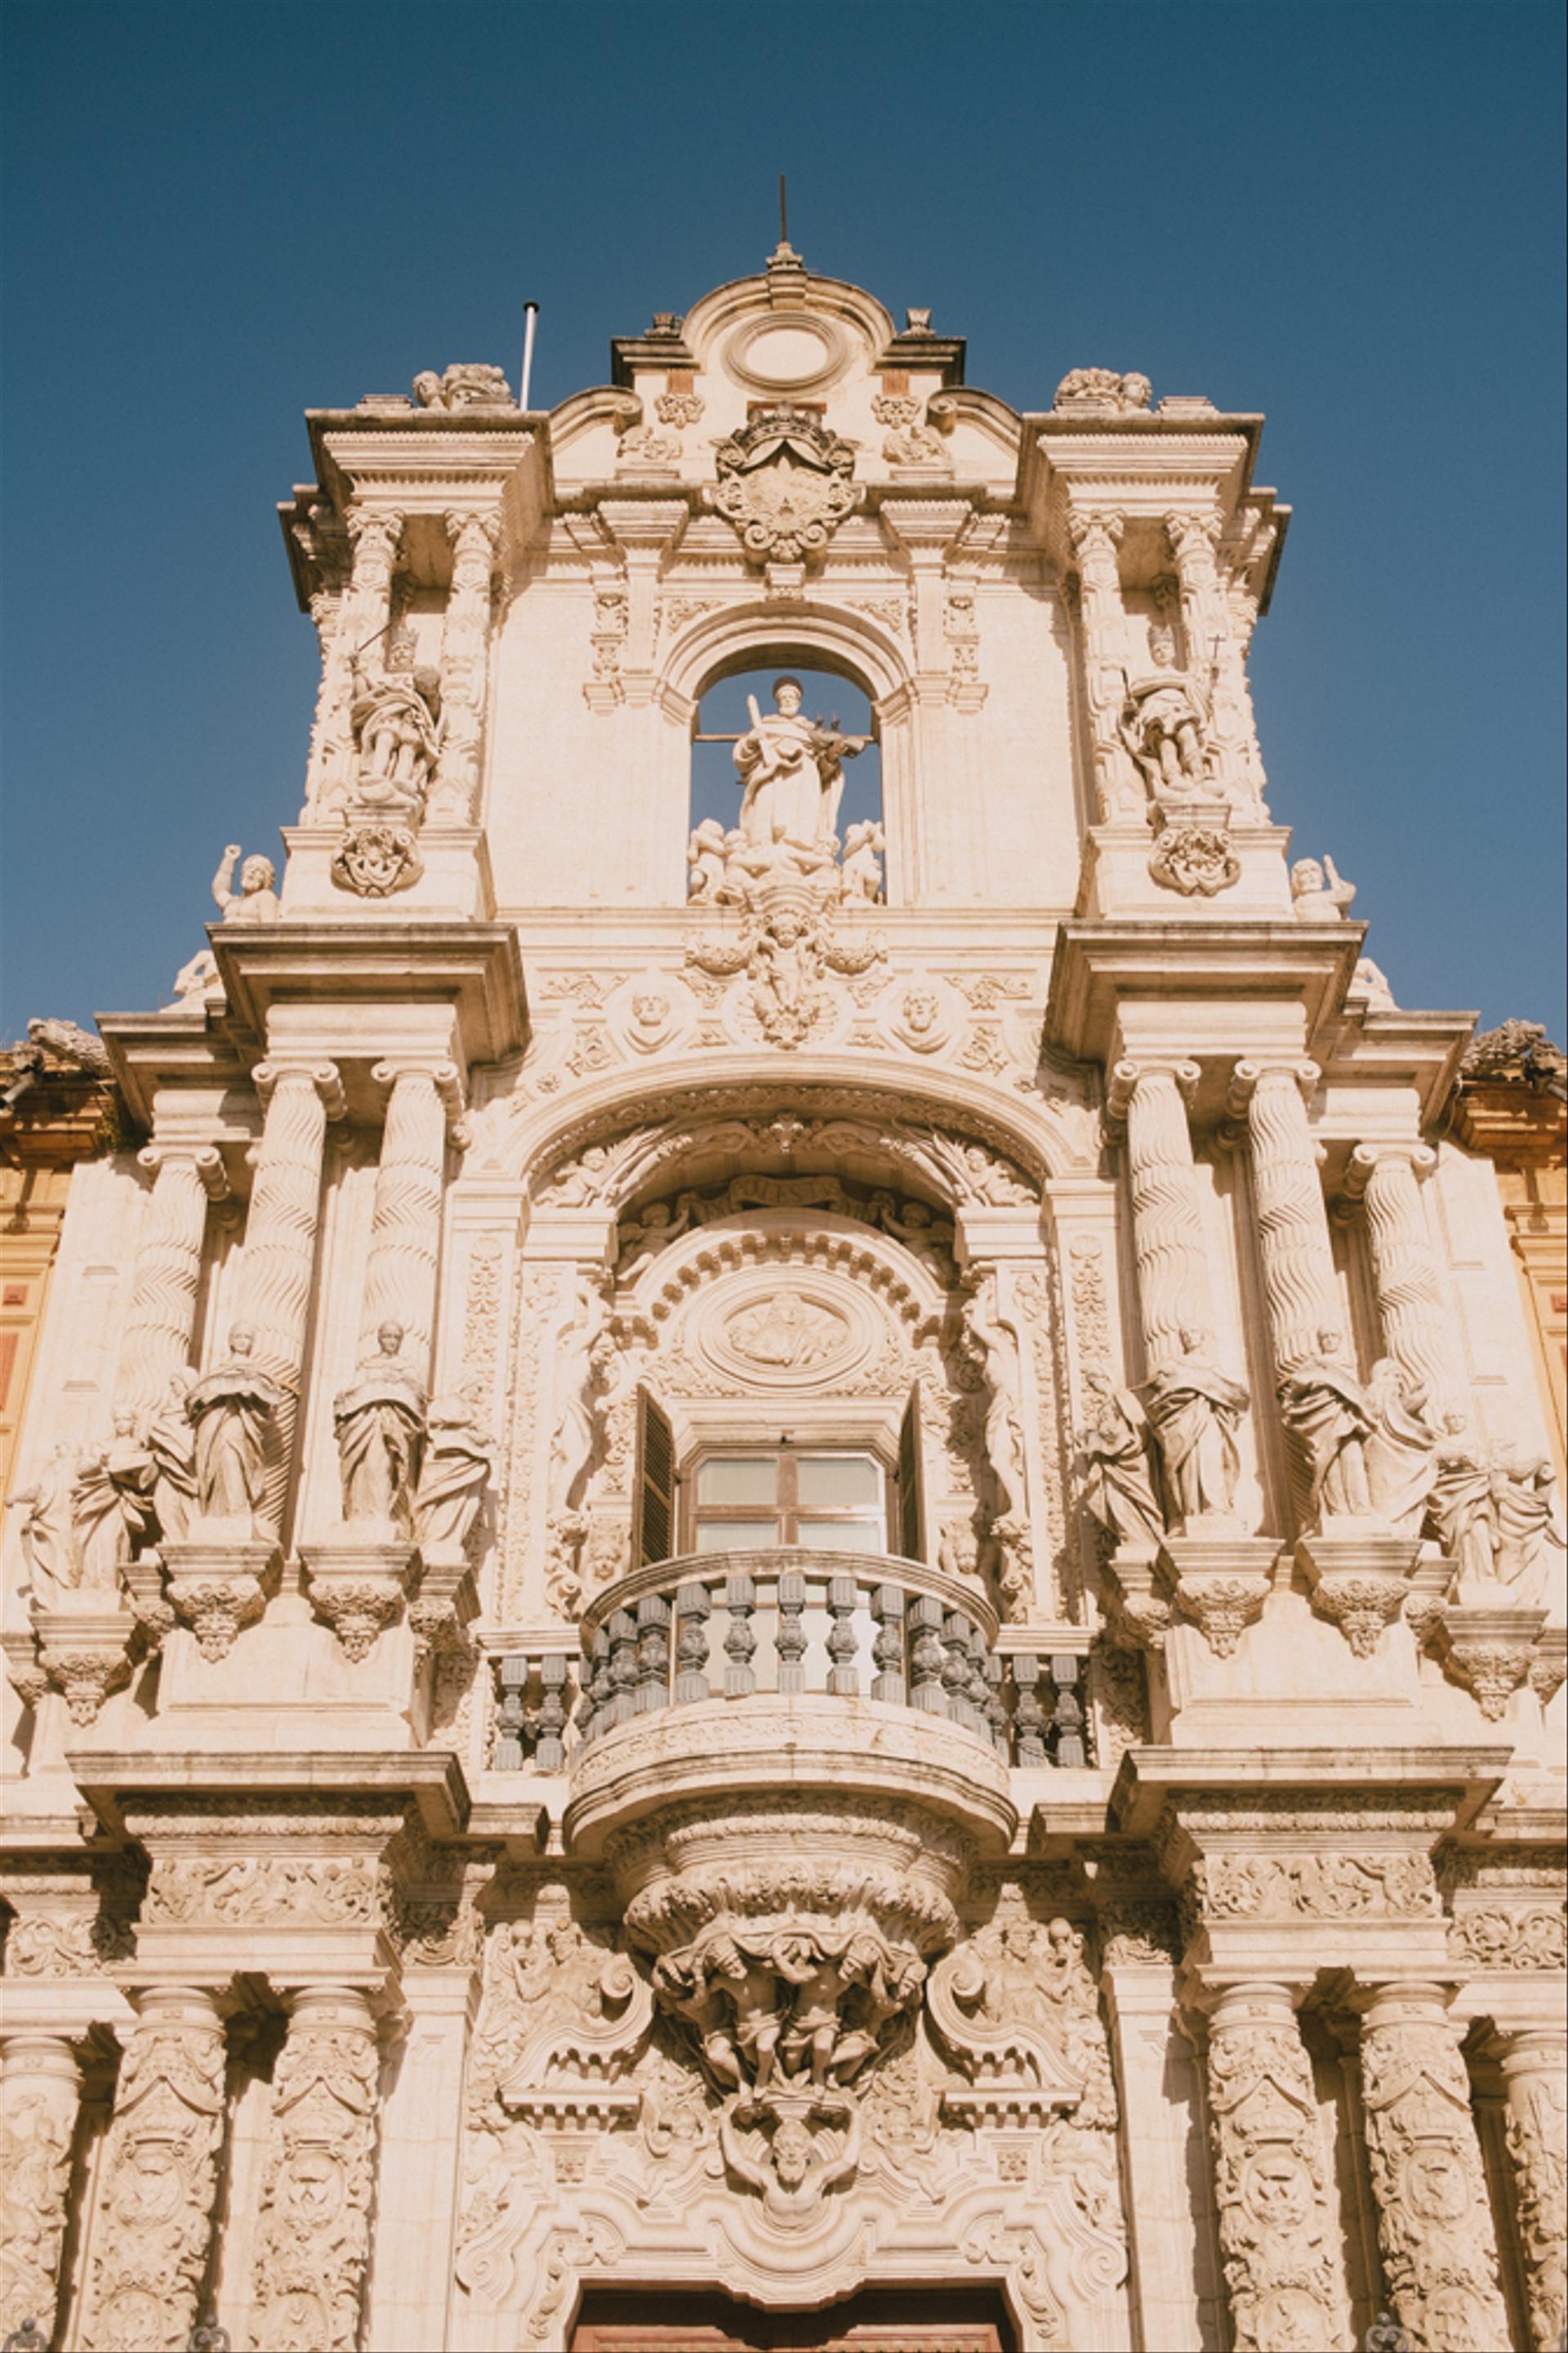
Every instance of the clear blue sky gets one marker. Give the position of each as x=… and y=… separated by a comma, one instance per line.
x=1348, y=216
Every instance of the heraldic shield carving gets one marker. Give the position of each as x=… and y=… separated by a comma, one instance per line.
x=783, y=482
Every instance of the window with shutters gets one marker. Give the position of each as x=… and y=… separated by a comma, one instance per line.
x=825, y=1498
x=653, y=1528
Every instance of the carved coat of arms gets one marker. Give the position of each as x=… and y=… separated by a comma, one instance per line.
x=783, y=482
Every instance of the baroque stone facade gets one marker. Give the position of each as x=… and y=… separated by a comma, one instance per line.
x=776, y=1563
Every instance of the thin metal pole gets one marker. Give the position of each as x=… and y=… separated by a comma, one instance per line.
x=530, y=316
x=784, y=212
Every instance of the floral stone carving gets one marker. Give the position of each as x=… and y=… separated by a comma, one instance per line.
x=316, y=2193
x=783, y=482
x=1018, y=2008
x=1195, y=860
x=376, y=860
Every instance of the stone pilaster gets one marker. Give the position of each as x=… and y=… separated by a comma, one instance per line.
x=40, y=2092
x=1416, y=1329
x=280, y=1234
x=319, y=2184
x=158, y=2178
x=162, y=1314
x=1167, y=1221
x=1535, y=2073
x=1095, y=534
x=405, y=1227
x=465, y=667
x=1271, y=2175
x=1435, y=2223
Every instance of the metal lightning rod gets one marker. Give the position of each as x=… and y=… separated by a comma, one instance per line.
x=530, y=320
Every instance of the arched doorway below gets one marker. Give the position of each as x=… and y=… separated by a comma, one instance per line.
x=968, y=2319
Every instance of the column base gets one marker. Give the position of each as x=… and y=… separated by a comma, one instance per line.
x=1358, y=1573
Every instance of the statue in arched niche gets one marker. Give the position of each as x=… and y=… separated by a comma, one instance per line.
x=791, y=769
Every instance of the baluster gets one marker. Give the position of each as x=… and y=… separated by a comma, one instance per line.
x=652, y=1653
x=551, y=1752
x=595, y=1698
x=692, y=1607
x=996, y=1706
x=927, y=1657
x=512, y=1715
x=741, y=1637
x=790, y=1639
x=1067, y=1716
x=623, y=1666
x=843, y=1601
x=955, y=1668
x=975, y=1689
x=888, y=1649
x=1029, y=1715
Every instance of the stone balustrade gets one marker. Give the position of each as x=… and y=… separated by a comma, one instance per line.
x=789, y=1622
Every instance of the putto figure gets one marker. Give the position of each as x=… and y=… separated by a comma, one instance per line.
x=380, y=1424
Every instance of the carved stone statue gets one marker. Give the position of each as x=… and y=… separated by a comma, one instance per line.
x=1117, y=1475
x=708, y=853
x=195, y=977
x=1461, y=1505
x=232, y=1410
x=1327, y=1411
x=1195, y=1409
x=255, y=900
x=1524, y=1497
x=1162, y=726
x=1318, y=894
x=1096, y=391
x=112, y=1505
x=863, y=846
x=1002, y=1446
x=793, y=773
x=583, y=1371
x=172, y=1442
x=395, y=720
x=467, y=384
x=45, y=1528
x=380, y=1424
x=1400, y=1447
x=459, y=1461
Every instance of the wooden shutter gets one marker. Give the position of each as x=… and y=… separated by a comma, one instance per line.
x=910, y=1534
x=653, y=1507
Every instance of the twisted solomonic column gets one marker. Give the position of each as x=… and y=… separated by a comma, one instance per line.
x=405, y=1227
x=162, y=1314
x=1167, y=1217
x=40, y=2092
x=1301, y=1285
x=1271, y=2175
x=1434, y=2218
x=280, y=1235
x=1535, y=2072
x=1418, y=1331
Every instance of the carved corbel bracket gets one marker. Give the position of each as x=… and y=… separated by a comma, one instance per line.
x=85, y=1655
x=358, y=1583
x=1490, y=1652
x=1140, y=1596
x=1222, y=1581
x=220, y=1580
x=1359, y=1581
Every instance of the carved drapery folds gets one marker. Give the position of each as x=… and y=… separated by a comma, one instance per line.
x=158, y=2178
x=360, y=619
x=38, y=2096
x=319, y=2184
x=1270, y=2176
x=1535, y=2072
x=1435, y=2225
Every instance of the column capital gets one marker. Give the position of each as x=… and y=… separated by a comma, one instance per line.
x=1125, y=1076
x=444, y=1075
x=1365, y=1159
x=204, y=1158
x=325, y=1077
x=1249, y=1073
x=1092, y=527
x=1187, y=527
x=482, y=524
x=376, y=530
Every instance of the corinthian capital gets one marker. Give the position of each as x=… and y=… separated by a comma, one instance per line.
x=1094, y=531
x=472, y=533
x=374, y=533
x=1192, y=534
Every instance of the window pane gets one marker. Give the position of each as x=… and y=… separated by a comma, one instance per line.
x=841, y=1536
x=737, y=1478
x=838, y=1482
x=731, y=1535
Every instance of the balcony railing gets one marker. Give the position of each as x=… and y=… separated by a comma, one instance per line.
x=728, y=1625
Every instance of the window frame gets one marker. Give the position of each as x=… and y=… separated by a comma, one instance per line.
x=787, y=1511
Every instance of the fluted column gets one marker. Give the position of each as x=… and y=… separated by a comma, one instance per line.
x=158, y=2178
x=361, y=617
x=1416, y=1329
x=40, y=2092
x=1299, y=1283
x=1535, y=2075
x=280, y=1234
x=1434, y=2221
x=1095, y=534
x=1271, y=2175
x=318, y=2187
x=163, y=1314
x=465, y=661
x=1214, y=654
x=1168, y=1236
x=405, y=1228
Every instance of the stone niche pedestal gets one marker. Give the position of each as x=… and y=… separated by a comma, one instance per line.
x=358, y=1579
x=1358, y=1572
x=1131, y=869
x=221, y=1576
x=1489, y=1646
x=449, y=867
